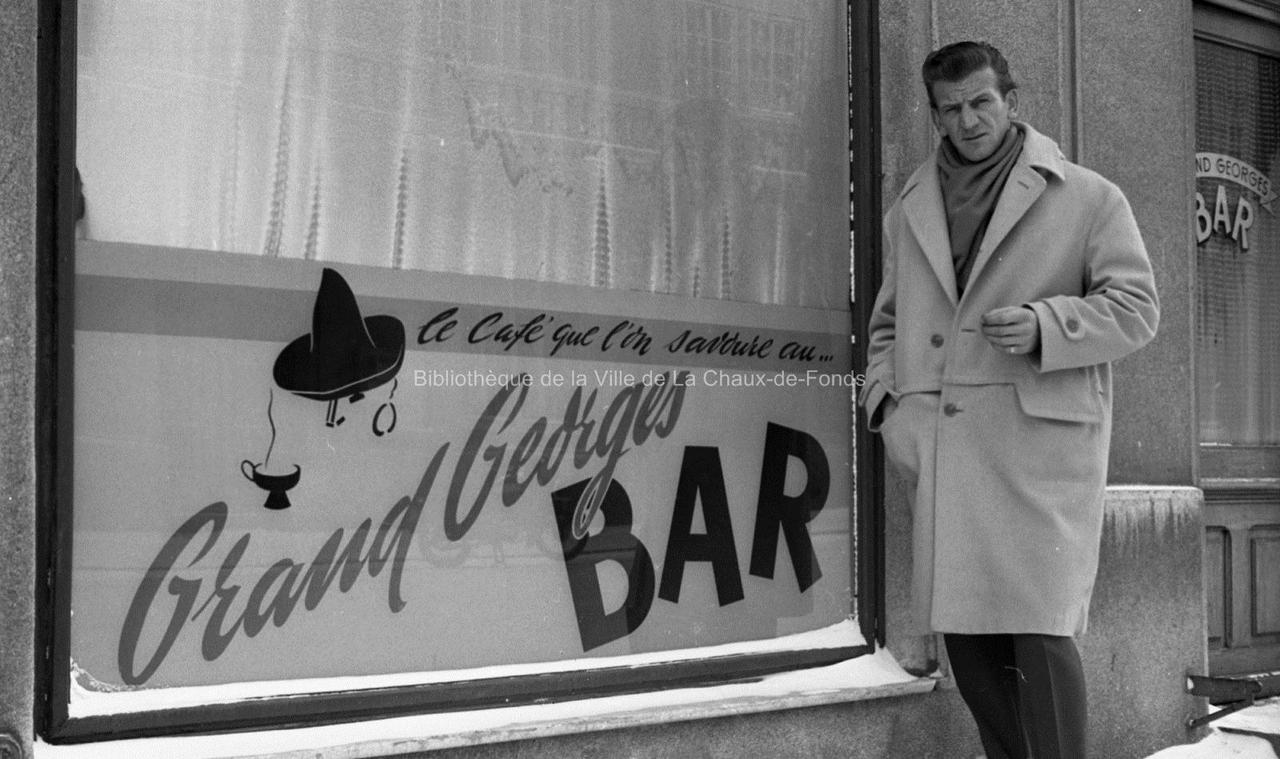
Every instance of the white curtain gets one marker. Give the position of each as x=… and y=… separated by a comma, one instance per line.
x=1238, y=314
x=681, y=146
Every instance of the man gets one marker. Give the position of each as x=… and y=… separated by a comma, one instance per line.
x=1012, y=278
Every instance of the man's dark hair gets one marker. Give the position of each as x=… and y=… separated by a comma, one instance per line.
x=960, y=59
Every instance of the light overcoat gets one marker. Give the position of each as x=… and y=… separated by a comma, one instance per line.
x=1007, y=453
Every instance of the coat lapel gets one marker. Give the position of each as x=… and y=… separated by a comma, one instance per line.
x=922, y=206
x=1021, y=190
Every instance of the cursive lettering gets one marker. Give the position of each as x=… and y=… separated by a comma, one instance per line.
x=724, y=344
x=274, y=594
x=635, y=413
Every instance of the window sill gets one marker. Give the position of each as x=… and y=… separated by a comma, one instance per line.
x=872, y=676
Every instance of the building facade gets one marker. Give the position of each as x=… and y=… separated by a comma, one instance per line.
x=540, y=179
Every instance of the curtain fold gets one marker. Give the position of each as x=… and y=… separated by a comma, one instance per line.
x=676, y=146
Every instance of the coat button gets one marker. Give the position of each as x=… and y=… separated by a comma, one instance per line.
x=951, y=409
x=1073, y=324
x=936, y=341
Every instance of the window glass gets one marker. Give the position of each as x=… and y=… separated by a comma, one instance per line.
x=1238, y=235
x=446, y=339
x=684, y=151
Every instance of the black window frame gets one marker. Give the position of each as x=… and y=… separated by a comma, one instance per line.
x=58, y=205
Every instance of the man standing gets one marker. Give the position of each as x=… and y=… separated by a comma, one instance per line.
x=1012, y=278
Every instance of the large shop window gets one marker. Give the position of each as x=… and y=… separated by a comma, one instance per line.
x=1238, y=159
x=447, y=353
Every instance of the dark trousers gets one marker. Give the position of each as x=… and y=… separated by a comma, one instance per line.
x=1026, y=693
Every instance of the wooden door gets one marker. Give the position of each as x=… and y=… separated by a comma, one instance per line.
x=1237, y=218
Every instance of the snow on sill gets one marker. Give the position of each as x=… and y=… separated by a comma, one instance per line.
x=1186, y=490
x=91, y=703
x=872, y=676
x=875, y=675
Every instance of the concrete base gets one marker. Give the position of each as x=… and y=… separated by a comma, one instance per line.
x=930, y=726
x=1146, y=624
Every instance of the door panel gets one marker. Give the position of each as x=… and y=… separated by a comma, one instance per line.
x=1264, y=545
x=1242, y=579
x=1217, y=583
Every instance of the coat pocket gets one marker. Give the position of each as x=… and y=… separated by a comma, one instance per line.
x=1068, y=395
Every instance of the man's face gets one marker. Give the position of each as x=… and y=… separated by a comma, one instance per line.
x=973, y=114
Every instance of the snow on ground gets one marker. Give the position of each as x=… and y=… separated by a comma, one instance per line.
x=1263, y=717
x=1220, y=745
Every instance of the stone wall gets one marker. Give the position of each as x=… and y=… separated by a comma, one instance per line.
x=17, y=371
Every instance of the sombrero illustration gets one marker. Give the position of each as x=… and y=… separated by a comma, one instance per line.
x=345, y=354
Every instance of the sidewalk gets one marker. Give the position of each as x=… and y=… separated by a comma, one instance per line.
x=1252, y=733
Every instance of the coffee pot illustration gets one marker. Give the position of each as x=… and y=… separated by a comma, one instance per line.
x=276, y=484
x=344, y=356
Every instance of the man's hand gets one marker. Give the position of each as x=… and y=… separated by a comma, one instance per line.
x=1014, y=329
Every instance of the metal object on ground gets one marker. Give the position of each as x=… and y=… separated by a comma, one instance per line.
x=1232, y=693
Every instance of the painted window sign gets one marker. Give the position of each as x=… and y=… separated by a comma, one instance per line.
x=428, y=343
x=1222, y=216
x=323, y=477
